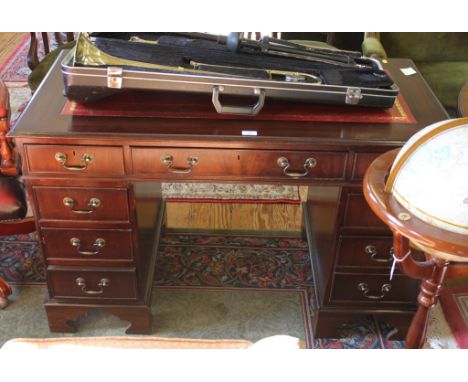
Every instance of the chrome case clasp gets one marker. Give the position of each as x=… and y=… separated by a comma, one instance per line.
x=114, y=77
x=353, y=96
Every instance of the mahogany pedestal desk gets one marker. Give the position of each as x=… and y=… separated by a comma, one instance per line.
x=90, y=180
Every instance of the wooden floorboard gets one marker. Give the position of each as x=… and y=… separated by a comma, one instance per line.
x=8, y=43
x=235, y=216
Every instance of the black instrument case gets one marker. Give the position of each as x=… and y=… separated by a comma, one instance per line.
x=102, y=64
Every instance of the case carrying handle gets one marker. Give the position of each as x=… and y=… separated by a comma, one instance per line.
x=242, y=110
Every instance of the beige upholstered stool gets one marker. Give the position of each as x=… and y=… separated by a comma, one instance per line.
x=279, y=342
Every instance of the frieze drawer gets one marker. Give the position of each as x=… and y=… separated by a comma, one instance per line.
x=80, y=203
x=89, y=283
x=76, y=160
x=360, y=164
x=199, y=163
x=374, y=289
x=79, y=246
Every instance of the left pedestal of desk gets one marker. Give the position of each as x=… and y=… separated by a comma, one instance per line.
x=99, y=249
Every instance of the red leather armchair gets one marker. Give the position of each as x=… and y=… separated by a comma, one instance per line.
x=13, y=203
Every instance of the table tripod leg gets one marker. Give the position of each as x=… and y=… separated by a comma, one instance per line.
x=427, y=298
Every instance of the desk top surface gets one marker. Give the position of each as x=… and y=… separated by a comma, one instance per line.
x=42, y=119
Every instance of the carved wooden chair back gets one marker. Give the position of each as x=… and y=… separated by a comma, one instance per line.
x=50, y=41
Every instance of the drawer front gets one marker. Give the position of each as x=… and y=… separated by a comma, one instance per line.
x=361, y=163
x=366, y=251
x=375, y=289
x=175, y=162
x=78, y=203
x=359, y=214
x=87, y=244
x=77, y=160
x=93, y=284
x=296, y=164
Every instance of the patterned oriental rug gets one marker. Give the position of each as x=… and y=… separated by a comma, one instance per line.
x=220, y=263
x=454, y=302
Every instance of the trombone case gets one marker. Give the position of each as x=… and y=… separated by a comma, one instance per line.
x=229, y=68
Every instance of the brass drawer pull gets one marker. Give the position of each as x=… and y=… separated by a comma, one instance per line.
x=85, y=159
x=81, y=282
x=93, y=203
x=372, y=251
x=98, y=244
x=309, y=163
x=191, y=161
x=364, y=288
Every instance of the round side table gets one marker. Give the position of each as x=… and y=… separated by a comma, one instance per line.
x=441, y=247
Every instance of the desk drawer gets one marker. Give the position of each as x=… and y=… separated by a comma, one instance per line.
x=193, y=162
x=359, y=214
x=76, y=160
x=79, y=203
x=365, y=251
x=93, y=283
x=360, y=164
x=92, y=245
x=375, y=289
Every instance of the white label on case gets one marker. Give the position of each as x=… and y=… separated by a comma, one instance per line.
x=249, y=132
x=408, y=71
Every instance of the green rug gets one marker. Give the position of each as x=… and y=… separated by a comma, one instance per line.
x=183, y=312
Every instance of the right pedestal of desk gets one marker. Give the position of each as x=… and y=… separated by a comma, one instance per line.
x=351, y=256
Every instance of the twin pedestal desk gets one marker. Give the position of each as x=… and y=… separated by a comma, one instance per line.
x=93, y=184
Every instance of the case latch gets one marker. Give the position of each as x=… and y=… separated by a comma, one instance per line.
x=114, y=77
x=353, y=96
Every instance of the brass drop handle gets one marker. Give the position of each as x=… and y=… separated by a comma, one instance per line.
x=85, y=159
x=93, y=203
x=98, y=244
x=309, y=163
x=103, y=283
x=364, y=288
x=374, y=254
x=191, y=161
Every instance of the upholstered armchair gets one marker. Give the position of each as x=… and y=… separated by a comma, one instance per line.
x=441, y=57
x=13, y=203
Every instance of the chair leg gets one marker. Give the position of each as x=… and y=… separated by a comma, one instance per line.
x=5, y=291
x=427, y=298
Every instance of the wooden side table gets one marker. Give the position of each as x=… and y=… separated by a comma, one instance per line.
x=440, y=247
